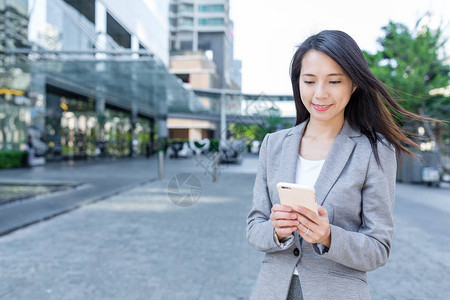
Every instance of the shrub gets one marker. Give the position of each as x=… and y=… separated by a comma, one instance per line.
x=214, y=146
x=13, y=159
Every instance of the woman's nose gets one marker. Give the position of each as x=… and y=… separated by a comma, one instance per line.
x=320, y=91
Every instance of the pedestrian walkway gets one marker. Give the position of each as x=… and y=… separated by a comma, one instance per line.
x=90, y=181
x=138, y=244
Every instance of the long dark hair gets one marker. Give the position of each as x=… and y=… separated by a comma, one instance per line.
x=370, y=106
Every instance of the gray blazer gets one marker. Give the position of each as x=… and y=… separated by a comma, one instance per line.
x=359, y=198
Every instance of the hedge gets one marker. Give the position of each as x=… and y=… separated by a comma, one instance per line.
x=13, y=159
x=213, y=146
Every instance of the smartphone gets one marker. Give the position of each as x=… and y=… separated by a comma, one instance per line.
x=294, y=195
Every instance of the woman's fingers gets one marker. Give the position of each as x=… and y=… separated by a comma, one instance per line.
x=282, y=212
x=308, y=213
x=278, y=215
x=302, y=229
x=308, y=224
x=284, y=220
x=285, y=223
x=279, y=207
x=308, y=236
x=322, y=211
x=285, y=231
x=281, y=220
x=318, y=225
x=320, y=219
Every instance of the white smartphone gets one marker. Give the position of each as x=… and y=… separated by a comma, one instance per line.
x=294, y=195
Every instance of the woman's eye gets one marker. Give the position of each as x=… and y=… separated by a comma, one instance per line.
x=308, y=82
x=335, y=82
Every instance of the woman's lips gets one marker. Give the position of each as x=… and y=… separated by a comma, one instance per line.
x=321, y=107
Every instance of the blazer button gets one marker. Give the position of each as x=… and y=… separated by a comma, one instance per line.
x=296, y=252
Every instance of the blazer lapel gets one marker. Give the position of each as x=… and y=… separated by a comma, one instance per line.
x=289, y=153
x=335, y=162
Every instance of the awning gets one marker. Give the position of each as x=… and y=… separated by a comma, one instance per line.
x=144, y=83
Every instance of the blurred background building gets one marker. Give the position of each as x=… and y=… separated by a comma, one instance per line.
x=199, y=27
x=201, y=55
x=92, y=78
x=85, y=77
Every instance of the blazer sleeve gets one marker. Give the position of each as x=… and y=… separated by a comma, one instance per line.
x=369, y=247
x=260, y=232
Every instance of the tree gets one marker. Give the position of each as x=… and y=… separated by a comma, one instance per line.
x=412, y=63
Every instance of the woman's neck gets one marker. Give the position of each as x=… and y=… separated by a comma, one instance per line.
x=323, y=130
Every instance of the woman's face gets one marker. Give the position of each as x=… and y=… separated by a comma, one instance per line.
x=325, y=89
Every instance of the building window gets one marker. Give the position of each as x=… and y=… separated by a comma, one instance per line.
x=186, y=22
x=186, y=8
x=211, y=22
x=211, y=8
x=120, y=35
x=183, y=77
x=186, y=45
x=84, y=7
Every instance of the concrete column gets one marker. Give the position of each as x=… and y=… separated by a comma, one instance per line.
x=100, y=109
x=195, y=29
x=152, y=135
x=38, y=95
x=223, y=119
x=134, y=46
x=100, y=29
x=37, y=10
x=195, y=41
x=163, y=134
x=134, y=141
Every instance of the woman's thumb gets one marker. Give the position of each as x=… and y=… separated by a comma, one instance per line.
x=322, y=211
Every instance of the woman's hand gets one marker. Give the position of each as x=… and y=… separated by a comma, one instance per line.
x=318, y=225
x=284, y=220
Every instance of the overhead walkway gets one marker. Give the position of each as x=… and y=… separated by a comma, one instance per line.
x=238, y=107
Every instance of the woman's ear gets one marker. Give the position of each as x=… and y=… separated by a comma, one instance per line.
x=353, y=88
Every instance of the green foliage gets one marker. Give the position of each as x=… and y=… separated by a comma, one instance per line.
x=439, y=107
x=162, y=144
x=410, y=62
x=13, y=159
x=214, y=145
x=257, y=132
x=250, y=132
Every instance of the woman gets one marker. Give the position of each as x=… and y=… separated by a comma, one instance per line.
x=344, y=144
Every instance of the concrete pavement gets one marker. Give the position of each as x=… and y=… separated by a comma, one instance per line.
x=94, y=180
x=139, y=245
x=419, y=264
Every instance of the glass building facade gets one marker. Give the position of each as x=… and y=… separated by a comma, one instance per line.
x=16, y=109
x=83, y=94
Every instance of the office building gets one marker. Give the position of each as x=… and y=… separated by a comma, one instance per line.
x=201, y=26
x=87, y=77
x=195, y=69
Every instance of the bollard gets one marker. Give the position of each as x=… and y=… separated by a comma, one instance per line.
x=161, y=164
x=216, y=166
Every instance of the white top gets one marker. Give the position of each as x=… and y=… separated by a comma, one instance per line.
x=307, y=174
x=308, y=171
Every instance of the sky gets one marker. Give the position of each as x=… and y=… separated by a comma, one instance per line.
x=266, y=32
